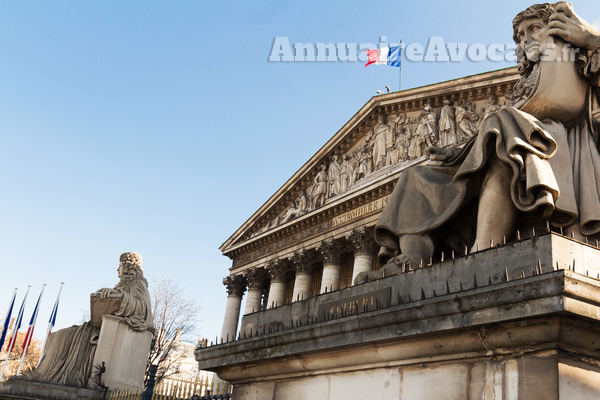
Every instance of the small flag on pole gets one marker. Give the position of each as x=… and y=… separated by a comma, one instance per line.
x=51, y=322
x=7, y=319
x=29, y=333
x=391, y=56
x=13, y=336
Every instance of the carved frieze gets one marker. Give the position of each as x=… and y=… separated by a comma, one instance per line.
x=235, y=285
x=362, y=239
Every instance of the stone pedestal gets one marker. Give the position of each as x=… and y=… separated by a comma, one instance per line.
x=124, y=353
x=519, y=321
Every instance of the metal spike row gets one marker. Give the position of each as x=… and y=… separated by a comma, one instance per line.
x=506, y=278
x=539, y=266
x=522, y=274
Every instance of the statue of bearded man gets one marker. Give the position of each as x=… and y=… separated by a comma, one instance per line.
x=70, y=351
x=531, y=163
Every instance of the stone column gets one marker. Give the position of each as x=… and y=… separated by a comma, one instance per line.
x=256, y=279
x=277, y=289
x=303, y=266
x=236, y=286
x=364, y=243
x=331, y=265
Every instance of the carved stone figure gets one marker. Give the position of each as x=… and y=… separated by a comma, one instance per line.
x=70, y=351
x=381, y=134
x=414, y=143
x=403, y=136
x=447, y=125
x=334, y=183
x=390, y=142
x=297, y=208
x=465, y=122
x=533, y=162
x=426, y=131
x=365, y=162
x=492, y=106
x=346, y=173
x=318, y=190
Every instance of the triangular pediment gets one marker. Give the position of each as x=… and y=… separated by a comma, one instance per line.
x=299, y=203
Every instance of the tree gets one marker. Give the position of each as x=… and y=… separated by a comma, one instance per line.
x=175, y=317
x=34, y=352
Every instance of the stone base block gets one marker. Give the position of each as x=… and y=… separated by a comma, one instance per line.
x=19, y=389
x=124, y=353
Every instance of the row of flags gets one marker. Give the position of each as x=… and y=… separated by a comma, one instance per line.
x=29, y=334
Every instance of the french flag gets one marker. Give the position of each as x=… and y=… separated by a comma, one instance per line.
x=7, y=319
x=29, y=333
x=51, y=322
x=13, y=336
x=391, y=56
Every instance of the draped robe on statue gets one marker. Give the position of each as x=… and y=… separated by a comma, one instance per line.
x=556, y=172
x=70, y=351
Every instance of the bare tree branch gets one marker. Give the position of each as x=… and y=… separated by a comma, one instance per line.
x=175, y=318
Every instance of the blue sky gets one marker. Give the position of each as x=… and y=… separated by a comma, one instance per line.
x=160, y=127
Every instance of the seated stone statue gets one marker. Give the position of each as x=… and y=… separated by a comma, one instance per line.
x=532, y=164
x=70, y=352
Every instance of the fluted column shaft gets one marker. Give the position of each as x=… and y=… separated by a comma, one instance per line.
x=331, y=265
x=364, y=243
x=277, y=289
x=236, y=286
x=255, y=278
x=303, y=265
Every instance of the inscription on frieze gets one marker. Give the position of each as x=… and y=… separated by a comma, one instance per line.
x=355, y=304
x=360, y=211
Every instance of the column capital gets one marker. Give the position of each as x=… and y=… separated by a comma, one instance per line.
x=277, y=270
x=302, y=260
x=362, y=239
x=331, y=251
x=255, y=278
x=235, y=285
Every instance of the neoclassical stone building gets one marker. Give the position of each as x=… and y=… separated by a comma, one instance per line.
x=315, y=234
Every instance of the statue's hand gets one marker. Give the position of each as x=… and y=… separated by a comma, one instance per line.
x=440, y=154
x=567, y=25
x=107, y=292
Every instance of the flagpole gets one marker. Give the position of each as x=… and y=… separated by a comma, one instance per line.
x=6, y=315
x=50, y=324
x=400, y=77
x=13, y=336
x=30, y=334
